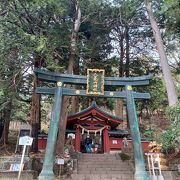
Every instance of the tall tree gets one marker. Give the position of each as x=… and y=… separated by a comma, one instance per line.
x=127, y=24
x=171, y=91
x=71, y=64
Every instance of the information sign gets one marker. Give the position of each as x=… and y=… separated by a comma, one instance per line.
x=60, y=161
x=25, y=140
x=114, y=141
x=15, y=167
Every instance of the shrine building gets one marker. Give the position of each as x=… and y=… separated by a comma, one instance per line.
x=100, y=126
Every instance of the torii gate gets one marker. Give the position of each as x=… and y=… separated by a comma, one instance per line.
x=95, y=82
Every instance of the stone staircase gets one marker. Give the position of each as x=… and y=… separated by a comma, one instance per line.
x=103, y=167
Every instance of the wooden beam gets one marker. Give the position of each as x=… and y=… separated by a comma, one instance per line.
x=108, y=94
x=45, y=90
x=81, y=80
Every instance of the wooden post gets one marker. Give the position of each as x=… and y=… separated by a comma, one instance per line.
x=140, y=172
x=78, y=140
x=47, y=170
x=21, y=164
x=106, y=141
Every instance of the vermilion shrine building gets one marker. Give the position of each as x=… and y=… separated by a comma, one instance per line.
x=102, y=128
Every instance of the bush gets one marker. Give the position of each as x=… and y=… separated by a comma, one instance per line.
x=125, y=156
x=170, y=138
x=173, y=112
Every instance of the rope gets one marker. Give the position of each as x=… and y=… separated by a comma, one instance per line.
x=92, y=131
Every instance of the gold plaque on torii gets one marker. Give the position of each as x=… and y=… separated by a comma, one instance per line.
x=95, y=82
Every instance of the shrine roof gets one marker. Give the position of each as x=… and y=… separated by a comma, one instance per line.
x=94, y=111
x=119, y=132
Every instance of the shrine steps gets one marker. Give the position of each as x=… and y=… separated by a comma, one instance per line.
x=103, y=167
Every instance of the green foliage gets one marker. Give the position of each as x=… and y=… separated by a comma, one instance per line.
x=170, y=138
x=172, y=10
x=173, y=113
x=150, y=133
x=23, y=114
x=109, y=103
x=125, y=156
x=158, y=96
x=31, y=31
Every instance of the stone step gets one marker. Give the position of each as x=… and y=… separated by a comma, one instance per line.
x=12, y=175
x=103, y=161
x=99, y=159
x=109, y=168
x=114, y=163
x=102, y=177
x=99, y=156
x=103, y=172
x=126, y=166
x=102, y=168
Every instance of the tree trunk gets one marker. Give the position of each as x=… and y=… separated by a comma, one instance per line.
x=119, y=102
x=62, y=127
x=75, y=104
x=35, y=114
x=36, y=106
x=75, y=99
x=72, y=57
x=63, y=119
x=127, y=50
x=121, y=69
x=7, y=116
x=6, y=131
x=1, y=131
x=119, y=107
x=171, y=91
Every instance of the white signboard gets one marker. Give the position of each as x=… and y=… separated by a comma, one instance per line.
x=25, y=140
x=15, y=167
x=114, y=141
x=60, y=161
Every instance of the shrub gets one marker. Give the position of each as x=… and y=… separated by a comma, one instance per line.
x=170, y=138
x=125, y=156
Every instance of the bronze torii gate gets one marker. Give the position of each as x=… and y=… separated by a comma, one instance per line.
x=95, y=82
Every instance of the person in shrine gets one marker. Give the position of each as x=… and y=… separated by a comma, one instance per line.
x=88, y=144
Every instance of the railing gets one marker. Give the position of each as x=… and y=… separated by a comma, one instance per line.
x=154, y=166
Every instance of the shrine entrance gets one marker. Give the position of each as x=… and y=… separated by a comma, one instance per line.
x=95, y=83
x=97, y=143
x=98, y=125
